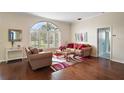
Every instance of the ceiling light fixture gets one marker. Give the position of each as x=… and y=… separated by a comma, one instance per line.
x=79, y=19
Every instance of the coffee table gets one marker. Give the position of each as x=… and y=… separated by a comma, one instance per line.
x=66, y=55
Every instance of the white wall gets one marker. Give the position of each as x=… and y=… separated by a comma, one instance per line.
x=115, y=21
x=24, y=22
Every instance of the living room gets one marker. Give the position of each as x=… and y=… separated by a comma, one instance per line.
x=81, y=28
x=61, y=46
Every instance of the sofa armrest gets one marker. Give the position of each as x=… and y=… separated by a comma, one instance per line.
x=86, y=48
x=86, y=51
x=40, y=56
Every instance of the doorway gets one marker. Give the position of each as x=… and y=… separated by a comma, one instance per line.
x=104, y=42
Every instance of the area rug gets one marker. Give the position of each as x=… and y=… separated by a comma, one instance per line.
x=59, y=66
x=59, y=62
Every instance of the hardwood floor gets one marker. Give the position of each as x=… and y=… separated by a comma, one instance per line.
x=91, y=69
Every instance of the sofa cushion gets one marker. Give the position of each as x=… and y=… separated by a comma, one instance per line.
x=78, y=52
x=40, y=50
x=35, y=51
x=70, y=50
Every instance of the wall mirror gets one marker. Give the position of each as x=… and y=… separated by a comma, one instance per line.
x=14, y=35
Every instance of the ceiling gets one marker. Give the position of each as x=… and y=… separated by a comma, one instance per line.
x=67, y=16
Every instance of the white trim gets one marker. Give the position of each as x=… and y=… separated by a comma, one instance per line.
x=111, y=42
x=1, y=61
x=117, y=60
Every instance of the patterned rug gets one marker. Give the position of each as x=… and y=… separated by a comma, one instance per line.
x=59, y=62
x=59, y=66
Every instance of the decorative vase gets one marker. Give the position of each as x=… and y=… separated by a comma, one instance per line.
x=12, y=43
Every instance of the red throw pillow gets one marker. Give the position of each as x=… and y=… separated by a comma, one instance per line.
x=82, y=46
x=71, y=45
x=34, y=50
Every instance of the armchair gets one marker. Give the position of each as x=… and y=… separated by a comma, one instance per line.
x=39, y=60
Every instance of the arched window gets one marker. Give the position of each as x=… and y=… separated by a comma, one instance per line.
x=45, y=35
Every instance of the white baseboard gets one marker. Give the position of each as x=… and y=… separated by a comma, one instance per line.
x=118, y=60
x=2, y=61
x=113, y=59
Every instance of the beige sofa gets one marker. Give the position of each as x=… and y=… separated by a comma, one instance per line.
x=83, y=50
x=38, y=59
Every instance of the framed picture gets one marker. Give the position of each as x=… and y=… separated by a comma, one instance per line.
x=81, y=37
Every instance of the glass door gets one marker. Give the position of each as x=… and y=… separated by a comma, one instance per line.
x=104, y=42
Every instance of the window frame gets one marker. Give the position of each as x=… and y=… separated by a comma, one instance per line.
x=47, y=32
